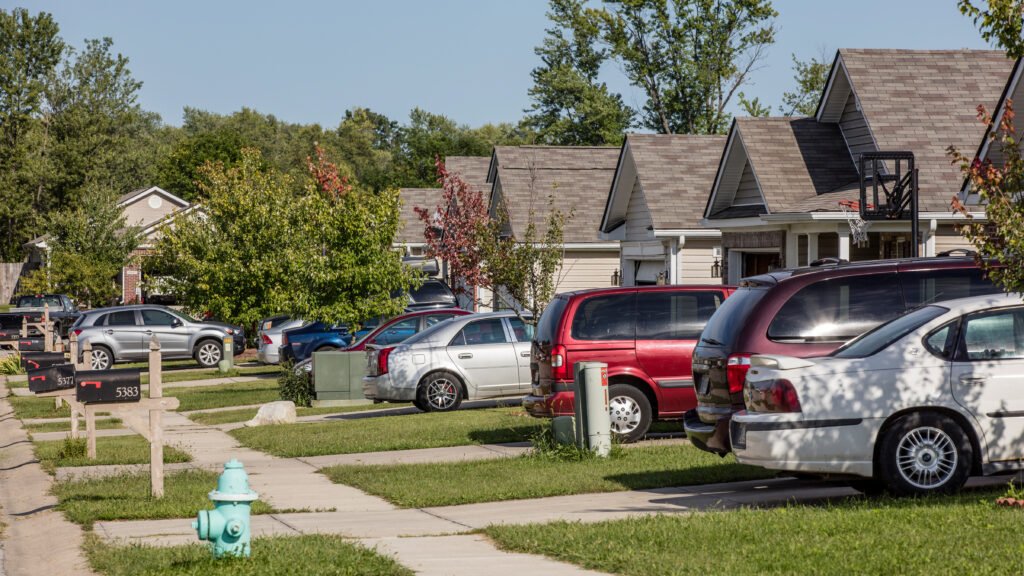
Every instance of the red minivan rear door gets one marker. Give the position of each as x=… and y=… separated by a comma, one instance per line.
x=668, y=324
x=602, y=330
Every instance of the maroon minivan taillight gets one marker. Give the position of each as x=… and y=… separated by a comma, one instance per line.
x=736, y=368
x=382, y=360
x=559, y=363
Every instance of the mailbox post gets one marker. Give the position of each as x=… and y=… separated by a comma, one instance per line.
x=156, y=431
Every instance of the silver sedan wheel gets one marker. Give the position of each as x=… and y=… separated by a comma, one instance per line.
x=442, y=393
x=100, y=359
x=209, y=354
x=926, y=457
x=625, y=414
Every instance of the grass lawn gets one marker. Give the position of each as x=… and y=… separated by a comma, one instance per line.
x=428, y=430
x=277, y=556
x=109, y=450
x=126, y=497
x=243, y=414
x=32, y=407
x=964, y=534
x=223, y=395
x=182, y=376
x=101, y=424
x=535, y=476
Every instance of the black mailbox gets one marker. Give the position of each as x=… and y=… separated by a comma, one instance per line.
x=31, y=344
x=56, y=377
x=10, y=333
x=39, y=360
x=122, y=385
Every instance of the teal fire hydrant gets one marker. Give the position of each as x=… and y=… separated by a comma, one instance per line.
x=227, y=525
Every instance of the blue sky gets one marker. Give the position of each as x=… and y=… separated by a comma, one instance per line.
x=307, y=61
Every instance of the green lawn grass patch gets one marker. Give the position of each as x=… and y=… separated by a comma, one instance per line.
x=65, y=426
x=406, y=432
x=126, y=497
x=319, y=554
x=32, y=407
x=963, y=534
x=109, y=450
x=223, y=395
x=536, y=476
x=243, y=414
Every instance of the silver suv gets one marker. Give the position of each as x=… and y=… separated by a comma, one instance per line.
x=122, y=334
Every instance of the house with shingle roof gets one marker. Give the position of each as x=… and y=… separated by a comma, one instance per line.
x=989, y=150
x=653, y=209
x=577, y=178
x=776, y=195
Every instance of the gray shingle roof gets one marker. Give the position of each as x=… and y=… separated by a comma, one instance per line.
x=795, y=159
x=410, y=226
x=676, y=173
x=472, y=169
x=925, y=101
x=578, y=177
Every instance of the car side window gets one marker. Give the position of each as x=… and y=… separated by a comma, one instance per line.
x=838, y=309
x=993, y=336
x=157, y=318
x=927, y=286
x=481, y=332
x=397, y=332
x=436, y=319
x=674, y=315
x=608, y=317
x=123, y=318
x=941, y=342
x=522, y=330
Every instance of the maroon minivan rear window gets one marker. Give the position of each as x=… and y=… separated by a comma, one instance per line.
x=838, y=309
x=549, y=320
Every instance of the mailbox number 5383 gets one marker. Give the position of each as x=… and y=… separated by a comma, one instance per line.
x=126, y=392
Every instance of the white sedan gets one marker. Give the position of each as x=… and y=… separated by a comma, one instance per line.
x=914, y=406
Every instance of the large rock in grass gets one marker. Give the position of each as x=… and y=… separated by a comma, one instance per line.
x=281, y=412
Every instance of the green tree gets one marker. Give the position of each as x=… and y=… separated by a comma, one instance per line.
x=753, y=108
x=30, y=49
x=810, y=77
x=999, y=21
x=366, y=142
x=88, y=244
x=690, y=57
x=571, y=107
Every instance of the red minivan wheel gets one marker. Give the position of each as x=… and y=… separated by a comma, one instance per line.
x=630, y=412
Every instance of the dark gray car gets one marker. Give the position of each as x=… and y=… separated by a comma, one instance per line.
x=122, y=334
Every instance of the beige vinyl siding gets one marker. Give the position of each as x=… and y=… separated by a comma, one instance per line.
x=747, y=191
x=140, y=213
x=638, y=216
x=946, y=238
x=696, y=256
x=587, y=269
x=855, y=129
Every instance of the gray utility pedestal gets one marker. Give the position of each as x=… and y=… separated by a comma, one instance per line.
x=338, y=378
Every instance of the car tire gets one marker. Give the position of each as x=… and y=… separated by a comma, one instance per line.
x=420, y=404
x=630, y=412
x=209, y=353
x=924, y=453
x=102, y=358
x=440, y=392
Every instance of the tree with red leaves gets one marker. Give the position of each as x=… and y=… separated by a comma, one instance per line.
x=452, y=230
x=999, y=186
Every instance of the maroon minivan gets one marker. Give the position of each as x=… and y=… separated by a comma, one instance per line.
x=645, y=334
x=807, y=312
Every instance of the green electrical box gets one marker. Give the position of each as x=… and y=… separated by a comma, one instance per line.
x=338, y=378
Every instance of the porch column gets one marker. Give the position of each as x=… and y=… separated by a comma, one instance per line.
x=844, y=242
x=792, y=250
x=812, y=246
x=929, y=243
x=673, y=259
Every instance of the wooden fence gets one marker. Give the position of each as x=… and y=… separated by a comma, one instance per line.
x=9, y=274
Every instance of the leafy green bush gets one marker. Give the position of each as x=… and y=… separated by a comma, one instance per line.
x=545, y=446
x=296, y=387
x=72, y=448
x=10, y=365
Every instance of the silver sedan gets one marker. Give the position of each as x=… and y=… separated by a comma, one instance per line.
x=469, y=357
x=268, y=339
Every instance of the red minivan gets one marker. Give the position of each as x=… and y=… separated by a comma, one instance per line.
x=645, y=334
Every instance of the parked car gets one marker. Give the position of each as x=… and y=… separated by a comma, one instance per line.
x=63, y=312
x=471, y=357
x=914, y=406
x=268, y=337
x=299, y=344
x=395, y=331
x=644, y=334
x=809, y=312
x=122, y=334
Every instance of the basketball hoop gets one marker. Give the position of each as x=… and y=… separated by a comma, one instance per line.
x=858, y=226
